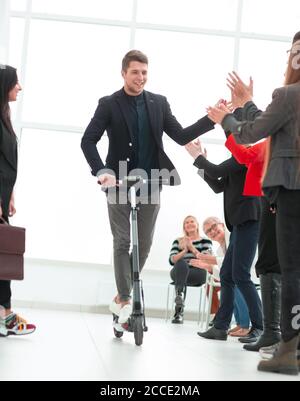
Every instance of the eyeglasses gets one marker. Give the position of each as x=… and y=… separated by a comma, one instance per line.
x=213, y=227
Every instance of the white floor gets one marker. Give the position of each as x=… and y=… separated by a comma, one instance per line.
x=79, y=346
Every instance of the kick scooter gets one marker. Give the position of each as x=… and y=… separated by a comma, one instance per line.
x=137, y=321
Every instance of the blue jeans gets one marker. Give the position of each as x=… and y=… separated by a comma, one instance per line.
x=235, y=271
x=240, y=311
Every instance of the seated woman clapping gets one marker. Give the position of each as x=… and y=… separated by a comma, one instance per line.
x=184, y=252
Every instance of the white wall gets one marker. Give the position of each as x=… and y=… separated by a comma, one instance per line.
x=88, y=287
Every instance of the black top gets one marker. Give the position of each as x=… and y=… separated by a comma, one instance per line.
x=8, y=166
x=144, y=146
x=229, y=177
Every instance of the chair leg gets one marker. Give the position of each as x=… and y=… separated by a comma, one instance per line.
x=168, y=301
x=168, y=309
x=203, y=303
x=200, y=302
x=211, y=288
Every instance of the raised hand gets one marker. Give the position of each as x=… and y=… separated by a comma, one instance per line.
x=240, y=92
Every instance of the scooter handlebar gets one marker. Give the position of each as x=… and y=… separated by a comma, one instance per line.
x=139, y=179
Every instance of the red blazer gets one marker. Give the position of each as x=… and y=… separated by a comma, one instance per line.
x=253, y=157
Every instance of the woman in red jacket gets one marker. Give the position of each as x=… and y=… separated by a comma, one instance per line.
x=254, y=158
x=267, y=266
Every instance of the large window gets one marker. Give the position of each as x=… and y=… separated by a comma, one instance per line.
x=63, y=211
x=16, y=35
x=68, y=54
x=70, y=66
x=18, y=5
x=268, y=17
x=213, y=14
x=179, y=68
x=268, y=69
x=108, y=9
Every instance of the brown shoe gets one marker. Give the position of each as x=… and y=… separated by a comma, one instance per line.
x=236, y=328
x=284, y=360
x=240, y=333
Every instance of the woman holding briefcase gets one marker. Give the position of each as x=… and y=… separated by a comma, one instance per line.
x=10, y=323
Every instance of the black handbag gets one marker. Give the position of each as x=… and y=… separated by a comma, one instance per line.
x=12, y=249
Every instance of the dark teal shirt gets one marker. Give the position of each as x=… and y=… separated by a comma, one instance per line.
x=144, y=145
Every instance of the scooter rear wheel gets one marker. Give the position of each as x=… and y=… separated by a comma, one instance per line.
x=118, y=334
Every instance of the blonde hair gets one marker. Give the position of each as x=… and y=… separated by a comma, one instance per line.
x=184, y=221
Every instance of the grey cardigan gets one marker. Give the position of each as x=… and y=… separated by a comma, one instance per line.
x=281, y=120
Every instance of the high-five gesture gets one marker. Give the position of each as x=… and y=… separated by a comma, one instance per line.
x=217, y=114
x=240, y=92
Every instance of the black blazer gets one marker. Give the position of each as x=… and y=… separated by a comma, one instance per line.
x=229, y=177
x=8, y=166
x=112, y=115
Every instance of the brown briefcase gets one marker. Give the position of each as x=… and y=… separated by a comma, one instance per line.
x=12, y=249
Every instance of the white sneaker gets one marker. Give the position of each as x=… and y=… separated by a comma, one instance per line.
x=115, y=308
x=118, y=327
x=3, y=330
x=268, y=352
x=125, y=313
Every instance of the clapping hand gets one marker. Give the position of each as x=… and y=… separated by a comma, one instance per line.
x=195, y=149
x=183, y=244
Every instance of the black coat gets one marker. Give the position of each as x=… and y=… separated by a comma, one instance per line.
x=8, y=166
x=229, y=177
x=112, y=115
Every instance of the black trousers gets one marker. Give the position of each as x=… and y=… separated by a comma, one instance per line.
x=5, y=294
x=288, y=244
x=5, y=290
x=267, y=261
x=182, y=274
